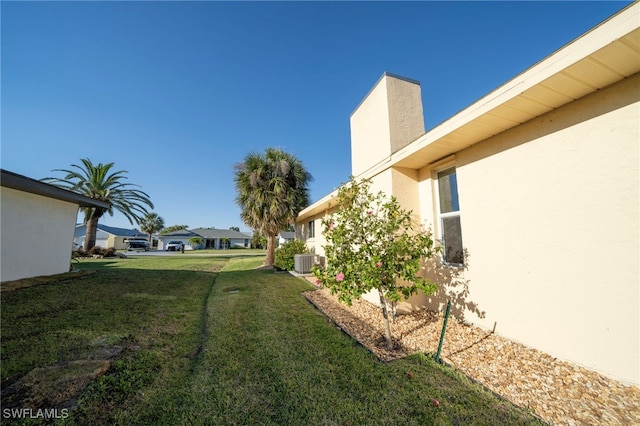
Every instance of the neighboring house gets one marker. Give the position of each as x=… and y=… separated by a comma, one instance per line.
x=217, y=239
x=108, y=236
x=534, y=190
x=285, y=236
x=36, y=226
x=183, y=236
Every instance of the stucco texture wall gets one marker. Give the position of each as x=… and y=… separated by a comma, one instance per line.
x=36, y=235
x=550, y=216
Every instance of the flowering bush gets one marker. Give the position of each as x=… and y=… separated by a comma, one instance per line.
x=372, y=244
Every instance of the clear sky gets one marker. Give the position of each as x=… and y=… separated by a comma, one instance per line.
x=176, y=93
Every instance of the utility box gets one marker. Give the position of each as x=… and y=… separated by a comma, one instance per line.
x=303, y=263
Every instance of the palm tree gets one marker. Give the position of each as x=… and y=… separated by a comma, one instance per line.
x=151, y=223
x=98, y=182
x=272, y=189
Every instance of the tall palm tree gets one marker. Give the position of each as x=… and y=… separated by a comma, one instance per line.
x=100, y=183
x=272, y=189
x=151, y=223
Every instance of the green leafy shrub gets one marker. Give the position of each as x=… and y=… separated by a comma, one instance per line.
x=284, y=256
x=98, y=251
x=95, y=251
x=374, y=244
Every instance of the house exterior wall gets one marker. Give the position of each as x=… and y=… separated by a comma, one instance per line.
x=32, y=230
x=550, y=216
x=548, y=183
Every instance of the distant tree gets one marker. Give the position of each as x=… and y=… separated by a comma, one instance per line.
x=151, y=224
x=173, y=228
x=258, y=241
x=225, y=243
x=195, y=241
x=100, y=183
x=235, y=228
x=272, y=189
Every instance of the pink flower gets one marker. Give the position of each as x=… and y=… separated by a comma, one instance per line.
x=330, y=225
x=378, y=264
x=370, y=212
x=318, y=282
x=340, y=277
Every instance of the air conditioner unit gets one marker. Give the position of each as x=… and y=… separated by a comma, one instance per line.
x=303, y=262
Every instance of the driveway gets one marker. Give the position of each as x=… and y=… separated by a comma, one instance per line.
x=152, y=253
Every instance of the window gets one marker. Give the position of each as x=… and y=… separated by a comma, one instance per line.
x=312, y=229
x=451, y=230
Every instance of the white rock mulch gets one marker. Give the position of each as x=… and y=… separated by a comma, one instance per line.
x=558, y=392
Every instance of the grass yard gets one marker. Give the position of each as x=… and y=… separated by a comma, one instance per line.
x=212, y=340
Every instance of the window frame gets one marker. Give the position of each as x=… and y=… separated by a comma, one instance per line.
x=441, y=216
x=312, y=229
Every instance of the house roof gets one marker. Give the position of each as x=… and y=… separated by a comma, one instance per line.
x=183, y=233
x=26, y=184
x=118, y=232
x=604, y=55
x=220, y=233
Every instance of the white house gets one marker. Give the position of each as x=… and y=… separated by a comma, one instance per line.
x=534, y=191
x=285, y=236
x=37, y=222
x=217, y=239
x=108, y=236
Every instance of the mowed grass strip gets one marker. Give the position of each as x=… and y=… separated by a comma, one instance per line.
x=149, y=311
x=270, y=358
x=240, y=346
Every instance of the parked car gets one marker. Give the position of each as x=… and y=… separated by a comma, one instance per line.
x=174, y=246
x=135, y=244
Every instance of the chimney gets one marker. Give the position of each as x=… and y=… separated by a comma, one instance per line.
x=388, y=118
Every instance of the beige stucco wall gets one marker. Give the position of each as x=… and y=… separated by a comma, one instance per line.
x=550, y=215
x=389, y=118
x=36, y=235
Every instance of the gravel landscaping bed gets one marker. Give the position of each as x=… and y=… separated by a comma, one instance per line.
x=558, y=392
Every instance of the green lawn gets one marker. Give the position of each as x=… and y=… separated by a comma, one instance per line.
x=211, y=340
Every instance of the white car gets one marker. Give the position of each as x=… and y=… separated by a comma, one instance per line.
x=174, y=246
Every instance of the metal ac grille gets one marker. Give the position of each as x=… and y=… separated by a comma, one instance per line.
x=303, y=263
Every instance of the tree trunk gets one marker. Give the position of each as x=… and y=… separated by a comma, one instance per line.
x=90, y=234
x=271, y=250
x=385, y=316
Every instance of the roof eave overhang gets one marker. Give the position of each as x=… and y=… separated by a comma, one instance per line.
x=26, y=184
x=597, y=59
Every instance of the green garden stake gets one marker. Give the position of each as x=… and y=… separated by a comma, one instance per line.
x=444, y=327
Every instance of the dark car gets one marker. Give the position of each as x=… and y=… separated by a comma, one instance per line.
x=137, y=245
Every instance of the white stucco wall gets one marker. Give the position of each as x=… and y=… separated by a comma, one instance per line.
x=36, y=235
x=550, y=216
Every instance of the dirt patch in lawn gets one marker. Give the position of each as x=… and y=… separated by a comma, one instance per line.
x=558, y=392
x=59, y=385
x=44, y=280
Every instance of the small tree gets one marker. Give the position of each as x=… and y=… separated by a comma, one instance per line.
x=173, y=228
x=150, y=224
x=258, y=241
x=195, y=242
x=372, y=244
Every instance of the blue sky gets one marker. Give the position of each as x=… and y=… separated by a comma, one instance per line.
x=176, y=93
